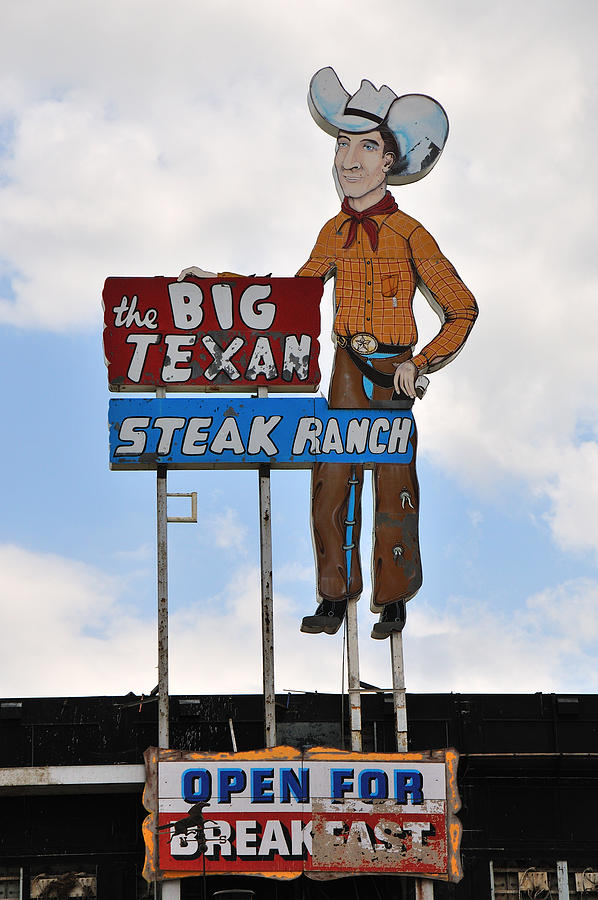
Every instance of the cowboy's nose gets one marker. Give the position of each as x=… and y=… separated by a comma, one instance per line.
x=350, y=161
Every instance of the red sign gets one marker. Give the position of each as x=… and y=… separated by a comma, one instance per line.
x=280, y=812
x=225, y=334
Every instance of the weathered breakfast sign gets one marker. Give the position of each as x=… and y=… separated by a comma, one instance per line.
x=225, y=334
x=324, y=812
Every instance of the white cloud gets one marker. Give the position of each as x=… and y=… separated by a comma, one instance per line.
x=550, y=644
x=216, y=645
x=226, y=530
x=293, y=572
x=67, y=631
x=64, y=632
x=141, y=554
x=574, y=495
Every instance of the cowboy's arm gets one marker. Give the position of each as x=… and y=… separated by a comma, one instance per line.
x=321, y=262
x=448, y=296
x=317, y=268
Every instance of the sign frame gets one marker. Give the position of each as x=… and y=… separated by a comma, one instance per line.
x=234, y=433
x=224, y=334
x=439, y=856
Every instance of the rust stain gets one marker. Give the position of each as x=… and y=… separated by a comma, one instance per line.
x=455, y=870
x=148, y=829
x=150, y=823
x=381, y=841
x=280, y=752
x=452, y=763
x=278, y=876
x=329, y=753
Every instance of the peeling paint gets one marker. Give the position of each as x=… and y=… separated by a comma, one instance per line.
x=214, y=335
x=348, y=813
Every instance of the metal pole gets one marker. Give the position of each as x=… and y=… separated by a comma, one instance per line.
x=353, y=675
x=162, y=543
x=562, y=875
x=169, y=890
x=424, y=889
x=267, y=601
x=492, y=892
x=162, y=555
x=398, y=690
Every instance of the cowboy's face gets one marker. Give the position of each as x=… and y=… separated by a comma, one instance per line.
x=361, y=163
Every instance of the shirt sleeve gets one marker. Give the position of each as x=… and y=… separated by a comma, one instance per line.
x=320, y=263
x=318, y=267
x=448, y=296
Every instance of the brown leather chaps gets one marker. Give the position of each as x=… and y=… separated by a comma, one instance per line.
x=396, y=564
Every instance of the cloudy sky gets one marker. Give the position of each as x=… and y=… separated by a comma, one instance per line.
x=137, y=138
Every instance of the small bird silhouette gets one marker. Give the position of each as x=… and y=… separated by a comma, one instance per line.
x=193, y=819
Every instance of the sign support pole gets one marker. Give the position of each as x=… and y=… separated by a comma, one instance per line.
x=169, y=890
x=398, y=690
x=267, y=601
x=162, y=554
x=353, y=676
x=424, y=888
x=162, y=544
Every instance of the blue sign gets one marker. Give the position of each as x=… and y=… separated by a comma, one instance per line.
x=230, y=433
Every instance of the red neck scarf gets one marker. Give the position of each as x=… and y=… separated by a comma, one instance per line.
x=369, y=225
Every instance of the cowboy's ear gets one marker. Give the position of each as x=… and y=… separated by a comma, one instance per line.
x=389, y=161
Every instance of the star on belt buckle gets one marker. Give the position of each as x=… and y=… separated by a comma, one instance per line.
x=364, y=344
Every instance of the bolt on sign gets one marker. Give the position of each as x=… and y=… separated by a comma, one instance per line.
x=232, y=334
x=280, y=813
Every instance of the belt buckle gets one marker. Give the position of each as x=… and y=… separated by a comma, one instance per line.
x=364, y=343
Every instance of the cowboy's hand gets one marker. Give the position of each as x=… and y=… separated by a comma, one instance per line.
x=404, y=378
x=196, y=272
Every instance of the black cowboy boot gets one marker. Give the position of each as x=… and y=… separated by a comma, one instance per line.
x=392, y=618
x=328, y=618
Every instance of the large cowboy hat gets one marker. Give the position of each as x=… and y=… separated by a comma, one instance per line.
x=418, y=123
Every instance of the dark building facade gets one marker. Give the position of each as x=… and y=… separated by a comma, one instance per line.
x=528, y=779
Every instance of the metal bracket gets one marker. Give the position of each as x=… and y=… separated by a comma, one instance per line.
x=193, y=517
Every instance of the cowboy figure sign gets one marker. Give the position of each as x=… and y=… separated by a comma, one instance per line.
x=378, y=256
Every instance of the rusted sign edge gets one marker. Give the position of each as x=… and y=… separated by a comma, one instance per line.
x=453, y=824
x=150, y=823
x=278, y=876
x=303, y=387
x=314, y=753
x=325, y=753
x=280, y=752
x=334, y=876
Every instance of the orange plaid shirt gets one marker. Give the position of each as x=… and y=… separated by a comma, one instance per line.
x=374, y=289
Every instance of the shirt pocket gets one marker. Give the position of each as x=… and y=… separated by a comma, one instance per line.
x=389, y=285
